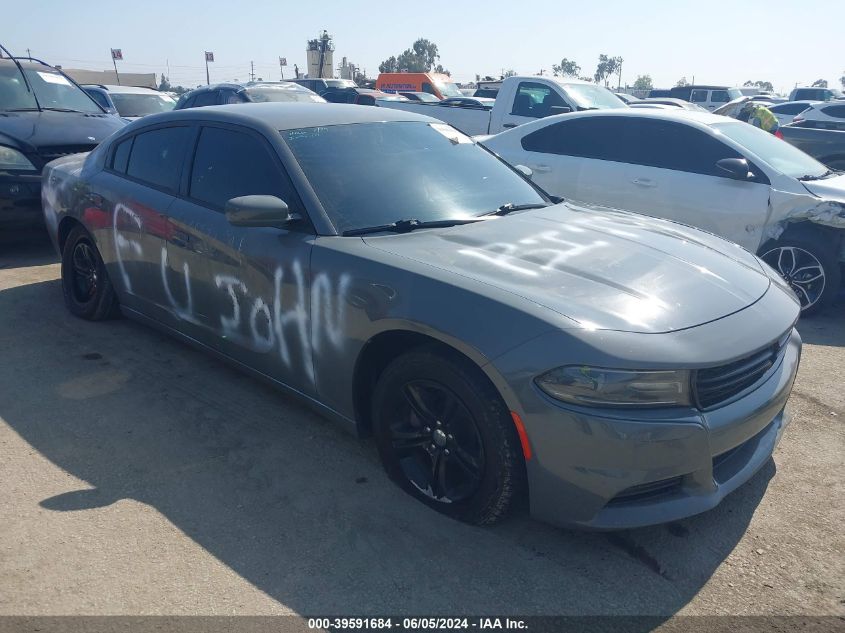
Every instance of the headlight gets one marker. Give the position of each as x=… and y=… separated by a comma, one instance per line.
x=13, y=159
x=594, y=386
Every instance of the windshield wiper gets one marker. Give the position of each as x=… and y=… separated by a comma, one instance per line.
x=405, y=226
x=62, y=110
x=510, y=207
x=807, y=177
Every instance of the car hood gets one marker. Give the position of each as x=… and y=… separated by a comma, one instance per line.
x=37, y=129
x=600, y=268
x=829, y=188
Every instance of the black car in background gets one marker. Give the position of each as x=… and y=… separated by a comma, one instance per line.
x=43, y=115
x=321, y=85
x=253, y=92
x=359, y=96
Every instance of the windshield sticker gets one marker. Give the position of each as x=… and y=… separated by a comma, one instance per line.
x=451, y=133
x=53, y=78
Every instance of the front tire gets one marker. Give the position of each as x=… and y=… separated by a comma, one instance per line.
x=810, y=265
x=446, y=437
x=86, y=286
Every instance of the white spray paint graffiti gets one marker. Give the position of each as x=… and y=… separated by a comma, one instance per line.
x=548, y=249
x=121, y=242
x=267, y=323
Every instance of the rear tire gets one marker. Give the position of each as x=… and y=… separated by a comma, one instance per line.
x=809, y=263
x=87, y=289
x=446, y=438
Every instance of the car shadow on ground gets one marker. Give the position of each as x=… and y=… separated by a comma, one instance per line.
x=826, y=327
x=295, y=505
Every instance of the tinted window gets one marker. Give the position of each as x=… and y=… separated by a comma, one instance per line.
x=698, y=96
x=157, y=156
x=602, y=138
x=719, y=96
x=834, y=110
x=99, y=97
x=649, y=142
x=535, y=100
x=789, y=108
x=207, y=98
x=370, y=174
x=142, y=104
x=229, y=164
x=121, y=156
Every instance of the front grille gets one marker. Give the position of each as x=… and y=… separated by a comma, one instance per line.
x=715, y=385
x=52, y=152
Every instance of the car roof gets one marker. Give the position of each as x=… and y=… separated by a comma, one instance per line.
x=670, y=114
x=290, y=116
x=123, y=89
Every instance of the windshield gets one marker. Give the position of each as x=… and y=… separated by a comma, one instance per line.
x=734, y=93
x=448, y=89
x=130, y=105
x=590, y=96
x=52, y=89
x=782, y=156
x=267, y=94
x=428, y=98
x=340, y=83
x=369, y=174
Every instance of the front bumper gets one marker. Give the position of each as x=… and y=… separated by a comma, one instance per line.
x=605, y=469
x=20, y=201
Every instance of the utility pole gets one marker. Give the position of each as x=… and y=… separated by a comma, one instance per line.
x=252, y=71
x=28, y=54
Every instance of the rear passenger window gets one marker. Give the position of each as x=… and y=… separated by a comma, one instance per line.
x=121, y=156
x=719, y=96
x=837, y=111
x=229, y=164
x=205, y=99
x=602, y=138
x=157, y=157
x=698, y=96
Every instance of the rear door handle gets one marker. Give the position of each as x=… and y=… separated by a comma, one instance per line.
x=509, y=125
x=542, y=169
x=644, y=182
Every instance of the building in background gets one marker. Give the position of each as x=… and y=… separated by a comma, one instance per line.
x=109, y=78
x=320, y=60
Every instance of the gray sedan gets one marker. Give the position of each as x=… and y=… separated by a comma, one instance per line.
x=606, y=369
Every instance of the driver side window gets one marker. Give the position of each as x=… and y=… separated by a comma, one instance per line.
x=535, y=100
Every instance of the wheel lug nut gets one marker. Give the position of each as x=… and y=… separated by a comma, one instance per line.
x=433, y=447
x=439, y=423
x=428, y=429
x=449, y=437
x=446, y=452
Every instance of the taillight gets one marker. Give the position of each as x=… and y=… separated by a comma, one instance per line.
x=778, y=133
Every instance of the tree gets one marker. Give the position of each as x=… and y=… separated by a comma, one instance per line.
x=389, y=65
x=643, y=82
x=842, y=81
x=422, y=57
x=566, y=68
x=762, y=85
x=682, y=82
x=510, y=72
x=607, y=66
x=820, y=83
x=443, y=71
x=164, y=86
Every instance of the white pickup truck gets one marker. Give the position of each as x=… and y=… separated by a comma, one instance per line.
x=520, y=100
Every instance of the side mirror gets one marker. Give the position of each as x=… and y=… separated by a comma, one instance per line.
x=736, y=168
x=257, y=211
x=559, y=110
x=525, y=171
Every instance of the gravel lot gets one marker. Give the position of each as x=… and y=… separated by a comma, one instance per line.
x=143, y=477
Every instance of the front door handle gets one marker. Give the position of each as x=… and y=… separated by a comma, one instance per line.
x=644, y=182
x=509, y=125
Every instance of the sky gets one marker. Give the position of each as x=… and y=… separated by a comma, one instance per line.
x=784, y=42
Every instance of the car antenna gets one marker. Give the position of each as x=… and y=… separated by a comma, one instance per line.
x=5, y=50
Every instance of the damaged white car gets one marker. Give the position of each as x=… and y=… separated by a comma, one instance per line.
x=704, y=170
